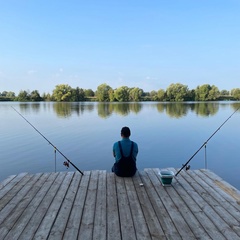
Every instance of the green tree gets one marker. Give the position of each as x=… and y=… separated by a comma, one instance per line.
x=78, y=95
x=135, y=94
x=111, y=95
x=236, y=93
x=224, y=92
x=10, y=95
x=23, y=96
x=4, y=93
x=122, y=94
x=89, y=93
x=153, y=95
x=206, y=92
x=191, y=95
x=7, y=96
x=214, y=93
x=161, y=95
x=177, y=92
x=102, y=92
x=47, y=97
x=201, y=92
x=62, y=92
x=35, y=96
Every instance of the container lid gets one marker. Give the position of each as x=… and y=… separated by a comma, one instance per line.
x=166, y=173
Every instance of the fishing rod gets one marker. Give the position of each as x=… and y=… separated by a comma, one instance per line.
x=204, y=144
x=55, y=148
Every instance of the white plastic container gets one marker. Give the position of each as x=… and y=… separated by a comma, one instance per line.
x=166, y=177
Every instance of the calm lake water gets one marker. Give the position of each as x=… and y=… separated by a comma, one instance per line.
x=168, y=134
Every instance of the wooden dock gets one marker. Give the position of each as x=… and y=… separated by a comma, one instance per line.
x=99, y=205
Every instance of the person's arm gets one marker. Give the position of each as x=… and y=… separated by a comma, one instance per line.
x=114, y=154
x=136, y=149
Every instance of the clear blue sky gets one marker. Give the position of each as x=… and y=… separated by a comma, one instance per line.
x=148, y=43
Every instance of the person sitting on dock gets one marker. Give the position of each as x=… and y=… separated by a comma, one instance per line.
x=125, y=153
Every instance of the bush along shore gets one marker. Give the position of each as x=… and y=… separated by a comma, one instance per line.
x=176, y=92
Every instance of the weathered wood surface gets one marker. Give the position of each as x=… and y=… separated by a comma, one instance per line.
x=100, y=205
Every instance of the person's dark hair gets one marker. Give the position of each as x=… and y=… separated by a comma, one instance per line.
x=126, y=132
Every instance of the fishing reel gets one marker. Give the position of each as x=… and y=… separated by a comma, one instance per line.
x=187, y=167
x=66, y=164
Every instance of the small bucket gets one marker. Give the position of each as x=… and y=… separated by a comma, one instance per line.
x=166, y=177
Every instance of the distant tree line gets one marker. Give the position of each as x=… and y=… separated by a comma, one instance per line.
x=175, y=92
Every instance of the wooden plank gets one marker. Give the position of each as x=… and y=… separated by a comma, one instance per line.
x=219, y=193
x=178, y=220
x=36, y=195
x=206, y=225
x=18, y=204
x=100, y=220
x=193, y=200
x=113, y=224
x=141, y=229
x=11, y=198
x=183, y=208
x=42, y=206
x=230, y=193
x=9, y=186
x=74, y=221
x=151, y=219
x=126, y=221
x=100, y=205
x=220, y=207
x=61, y=220
x=6, y=181
x=53, y=209
x=153, y=207
x=227, y=192
x=86, y=227
x=187, y=192
x=209, y=206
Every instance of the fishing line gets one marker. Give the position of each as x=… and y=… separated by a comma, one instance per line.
x=66, y=163
x=204, y=144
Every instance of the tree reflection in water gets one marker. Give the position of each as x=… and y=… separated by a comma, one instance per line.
x=106, y=109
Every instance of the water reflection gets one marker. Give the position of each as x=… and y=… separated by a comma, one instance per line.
x=160, y=107
x=126, y=108
x=136, y=107
x=62, y=109
x=67, y=109
x=105, y=110
x=177, y=110
x=206, y=109
x=33, y=107
x=235, y=105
